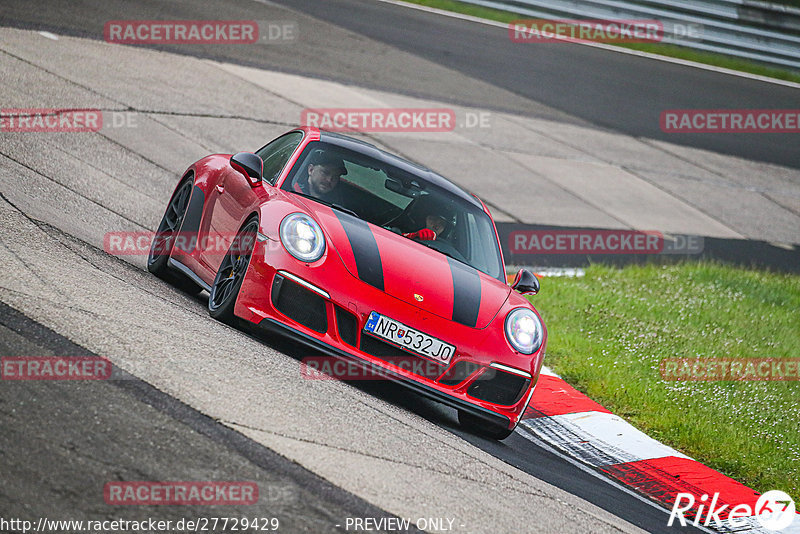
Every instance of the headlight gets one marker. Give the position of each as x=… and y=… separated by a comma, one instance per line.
x=302, y=237
x=524, y=330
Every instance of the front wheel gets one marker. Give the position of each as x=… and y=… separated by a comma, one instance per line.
x=231, y=273
x=477, y=425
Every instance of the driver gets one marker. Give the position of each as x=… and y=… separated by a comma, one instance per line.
x=322, y=178
x=435, y=220
x=435, y=225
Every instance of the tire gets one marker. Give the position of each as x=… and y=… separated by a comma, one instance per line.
x=479, y=426
x=228, y=282
x=163, y=242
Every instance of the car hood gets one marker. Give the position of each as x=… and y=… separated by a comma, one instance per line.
x=411, y=271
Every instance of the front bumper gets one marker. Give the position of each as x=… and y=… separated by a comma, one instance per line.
x=329, y=314
x=489, y=416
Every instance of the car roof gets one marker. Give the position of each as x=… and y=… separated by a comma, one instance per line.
x=368, y=149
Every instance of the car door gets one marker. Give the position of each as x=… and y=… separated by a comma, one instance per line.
x=233, y=197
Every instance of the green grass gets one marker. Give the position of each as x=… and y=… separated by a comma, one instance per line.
x=708, y=58
x=609, y=330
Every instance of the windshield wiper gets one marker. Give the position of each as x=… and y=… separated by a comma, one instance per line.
x=329, y=204
x=342, y=208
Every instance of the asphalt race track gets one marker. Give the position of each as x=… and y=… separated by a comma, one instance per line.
x=568, y=82
x=615, y=91
x=136, y=432
x=193, y=399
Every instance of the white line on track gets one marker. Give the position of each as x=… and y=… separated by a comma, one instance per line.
x=611, y=48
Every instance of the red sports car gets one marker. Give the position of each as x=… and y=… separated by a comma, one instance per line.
x=364, y=256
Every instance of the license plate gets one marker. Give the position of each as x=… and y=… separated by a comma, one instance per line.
x=408, y=338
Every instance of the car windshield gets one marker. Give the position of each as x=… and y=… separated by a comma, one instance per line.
x=392, y=198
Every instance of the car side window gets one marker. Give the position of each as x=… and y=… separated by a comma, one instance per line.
x=277, y=153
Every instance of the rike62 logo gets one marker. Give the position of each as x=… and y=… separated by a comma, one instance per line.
x=774, y=510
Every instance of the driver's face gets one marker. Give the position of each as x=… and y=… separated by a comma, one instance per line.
x=323, y=178
x=436, y=223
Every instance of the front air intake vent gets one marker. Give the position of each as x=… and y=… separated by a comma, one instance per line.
x=498, y=387
x=458, y=373
x=299, y=304
x=347, y=325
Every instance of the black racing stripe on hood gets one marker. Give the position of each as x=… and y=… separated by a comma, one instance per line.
x=466, y=293
x=365, y=249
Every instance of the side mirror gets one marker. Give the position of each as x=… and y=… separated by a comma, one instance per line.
x=249, y=165
x=525, y=282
